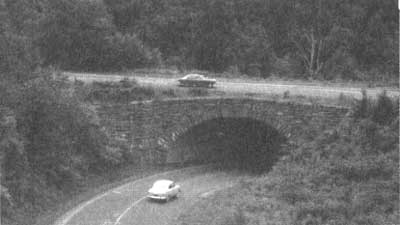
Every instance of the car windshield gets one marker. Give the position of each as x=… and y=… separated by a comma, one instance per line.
x=194, y=77
x=162, y=184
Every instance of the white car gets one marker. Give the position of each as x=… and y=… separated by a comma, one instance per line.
x=164, y=190
x=196, y=80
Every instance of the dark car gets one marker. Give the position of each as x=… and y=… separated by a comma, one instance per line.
x=196, y=80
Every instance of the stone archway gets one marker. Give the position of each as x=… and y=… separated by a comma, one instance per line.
x=152, y=126
x=240, y=141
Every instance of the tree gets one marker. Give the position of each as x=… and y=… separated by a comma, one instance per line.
x=17, y=53
x=72, y=33
x=315, y=36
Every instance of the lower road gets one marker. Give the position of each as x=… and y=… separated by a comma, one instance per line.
x=128, y=204
x=247, y=87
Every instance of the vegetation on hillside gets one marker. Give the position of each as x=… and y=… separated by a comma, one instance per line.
x=348, y=175
x=115, y=92
x=316, y=39
x=51, y=141
x=345, y=176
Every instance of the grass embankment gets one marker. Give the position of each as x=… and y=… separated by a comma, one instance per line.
x=345, y=176
x=238, y=205
x=273, y=79
x=128, y=90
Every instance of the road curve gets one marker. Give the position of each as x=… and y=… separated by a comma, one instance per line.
x=246, y=87
x=128, y=204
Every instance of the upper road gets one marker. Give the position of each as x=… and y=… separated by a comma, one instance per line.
x=248, y=87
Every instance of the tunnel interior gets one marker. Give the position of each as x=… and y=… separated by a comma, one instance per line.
x=241, y=143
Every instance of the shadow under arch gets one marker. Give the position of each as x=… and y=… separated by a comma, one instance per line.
x=233, y=142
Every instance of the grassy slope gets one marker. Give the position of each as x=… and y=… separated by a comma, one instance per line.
x=237, y=205
x=170, y=73
x=114, y=93
x=346, y=176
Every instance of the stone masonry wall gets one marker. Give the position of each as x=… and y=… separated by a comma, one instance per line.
x=152, y=126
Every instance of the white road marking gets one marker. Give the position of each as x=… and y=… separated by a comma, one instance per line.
x=211, y=192
x=228, y=85
x=116, y=192
x=78, y=209
x=69, y=215
x=208, y=193
x=127, y=210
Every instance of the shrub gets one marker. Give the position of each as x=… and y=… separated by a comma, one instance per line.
x=128, y=83
x=382, y=111
x=362, y=107
x=238, y=218
x=125, y=51
x=169, y=93
x=121, y=92
x=345, y=100
x=345, y=175
x=250, y=94
x=385, y=110
x=286, y=94
x=198, y=92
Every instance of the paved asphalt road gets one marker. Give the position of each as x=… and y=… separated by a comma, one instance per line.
x=246, y=87
x=128, y=205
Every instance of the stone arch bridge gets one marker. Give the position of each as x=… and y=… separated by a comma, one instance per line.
x=151, y=127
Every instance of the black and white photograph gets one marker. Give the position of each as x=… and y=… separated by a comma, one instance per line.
x=199, y=112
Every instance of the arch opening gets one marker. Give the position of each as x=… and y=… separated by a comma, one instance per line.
x=240, y=143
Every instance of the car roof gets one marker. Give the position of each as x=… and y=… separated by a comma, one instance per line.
x=163, y=182
x=193, y=75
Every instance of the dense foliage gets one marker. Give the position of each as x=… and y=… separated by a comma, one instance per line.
x=50, y=144
x=318, y=39
x=50, y=141
x=80, y=35
x=116, y=92
x=348, y=175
